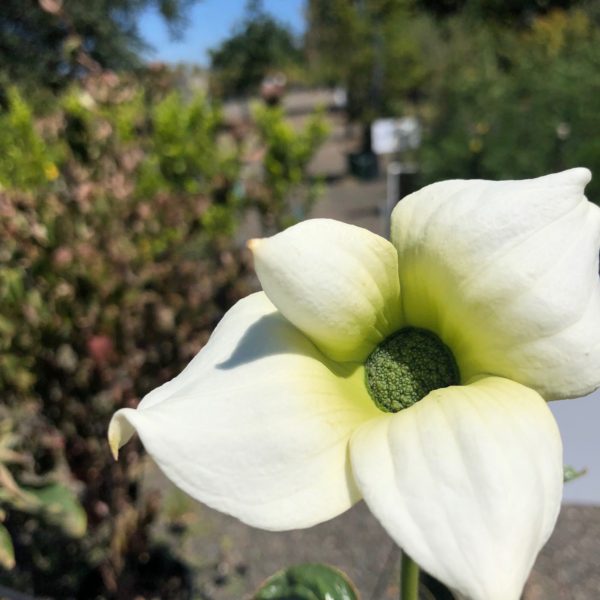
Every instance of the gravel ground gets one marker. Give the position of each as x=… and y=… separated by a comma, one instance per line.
x=229, y=559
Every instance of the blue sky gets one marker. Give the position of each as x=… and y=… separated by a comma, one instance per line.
x=210, y=22
x=578, y=422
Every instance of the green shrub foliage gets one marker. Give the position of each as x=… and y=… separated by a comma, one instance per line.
x=515, y=103
x=118, y=210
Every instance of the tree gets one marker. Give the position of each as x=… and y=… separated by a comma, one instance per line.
x=372, y=47
x=513, y=103
x=379, y=49
x=509, y=11
x=49, y=42
x=258, y=46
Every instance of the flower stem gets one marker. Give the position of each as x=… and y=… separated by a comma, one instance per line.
x=409, y=579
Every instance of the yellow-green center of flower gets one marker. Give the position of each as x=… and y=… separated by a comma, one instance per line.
x=408, y=365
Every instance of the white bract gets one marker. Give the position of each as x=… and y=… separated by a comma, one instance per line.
x=272, y=421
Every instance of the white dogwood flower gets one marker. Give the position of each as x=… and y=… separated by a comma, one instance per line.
x=412, y=373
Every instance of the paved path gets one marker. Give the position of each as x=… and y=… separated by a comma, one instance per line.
x=354, y=202
x=230, y=559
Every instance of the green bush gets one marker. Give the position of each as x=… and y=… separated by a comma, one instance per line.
x=182, y=153
x=103, y=295
x=514, y=104
x=26, y=161
x=117, y=262
x=287, y=193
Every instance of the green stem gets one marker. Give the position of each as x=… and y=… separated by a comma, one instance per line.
x=409, y=578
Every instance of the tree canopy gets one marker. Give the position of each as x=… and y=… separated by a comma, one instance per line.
x=499, y=10
x=49, y=42
x=259, y=45
x=381, y=50
x=363, y=46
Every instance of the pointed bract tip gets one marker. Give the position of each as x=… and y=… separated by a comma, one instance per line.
x=121, y=429
x=253, y=244
x=580, y=176
x=113, y=441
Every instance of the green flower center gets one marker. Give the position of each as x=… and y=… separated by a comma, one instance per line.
x=408, y=365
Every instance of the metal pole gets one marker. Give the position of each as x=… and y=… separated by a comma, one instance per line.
x=393, y=191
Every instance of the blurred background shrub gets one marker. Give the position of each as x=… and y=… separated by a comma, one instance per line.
x=118, y=212
x=514, y=102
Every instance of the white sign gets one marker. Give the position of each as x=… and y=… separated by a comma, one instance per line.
x=395, y=135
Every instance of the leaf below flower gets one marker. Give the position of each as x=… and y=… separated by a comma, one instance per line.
x=308, y=582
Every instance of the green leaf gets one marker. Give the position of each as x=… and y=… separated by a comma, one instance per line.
x=7, y=552
x=571, y=473
x=62, y=508
x=308, y=582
